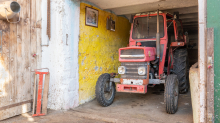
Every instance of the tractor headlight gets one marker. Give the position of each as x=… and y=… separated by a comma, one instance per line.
x=122, y=70
x=142, y=70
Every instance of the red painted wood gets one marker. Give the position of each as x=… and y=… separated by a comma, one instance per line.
x=39, y=95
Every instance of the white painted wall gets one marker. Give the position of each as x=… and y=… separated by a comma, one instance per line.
x=61, y=56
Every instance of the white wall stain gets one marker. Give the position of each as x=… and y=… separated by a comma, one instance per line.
x=62, y=59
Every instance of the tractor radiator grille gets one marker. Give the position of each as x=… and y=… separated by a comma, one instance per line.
x=132, y=70
x=132, y=54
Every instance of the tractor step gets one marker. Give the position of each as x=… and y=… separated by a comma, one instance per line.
x=132, y=88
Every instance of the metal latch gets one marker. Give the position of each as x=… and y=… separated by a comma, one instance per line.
x=210, y=62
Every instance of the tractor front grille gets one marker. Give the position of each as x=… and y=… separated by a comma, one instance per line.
x=132, y=70
x=132, y=54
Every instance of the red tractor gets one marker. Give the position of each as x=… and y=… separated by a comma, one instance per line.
x=157, y=54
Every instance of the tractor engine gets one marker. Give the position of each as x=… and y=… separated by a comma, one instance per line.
x=135, y=64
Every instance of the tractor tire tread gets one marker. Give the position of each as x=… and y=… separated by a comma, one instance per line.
x=169, y=94
x=180, y=68
x=100, y=92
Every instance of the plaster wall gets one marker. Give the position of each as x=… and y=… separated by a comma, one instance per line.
x=61, y=56
x=98, y=50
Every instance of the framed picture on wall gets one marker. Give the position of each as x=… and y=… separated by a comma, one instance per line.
x=92, y=17
x=112, y=25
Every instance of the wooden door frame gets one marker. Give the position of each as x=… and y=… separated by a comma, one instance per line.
x=206, y=67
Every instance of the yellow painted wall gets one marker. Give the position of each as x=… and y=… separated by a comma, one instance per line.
x=98, y=50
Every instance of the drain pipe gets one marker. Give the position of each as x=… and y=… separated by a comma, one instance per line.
x=8, y=9
x=157, y=40
x=158, y=37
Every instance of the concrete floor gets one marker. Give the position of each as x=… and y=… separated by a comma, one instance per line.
x=127, y=108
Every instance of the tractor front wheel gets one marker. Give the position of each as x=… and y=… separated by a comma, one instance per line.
x=171, y=94
x=105, y=90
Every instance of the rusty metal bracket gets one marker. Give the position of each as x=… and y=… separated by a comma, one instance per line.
x=8, y=19
x=48, y=19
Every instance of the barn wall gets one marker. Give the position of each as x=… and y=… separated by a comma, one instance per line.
x=213, y=18
x=61, y=56
x=98, y=50
x=17, y=61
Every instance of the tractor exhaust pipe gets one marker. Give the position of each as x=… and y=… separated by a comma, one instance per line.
x=158, y=37
x=8, y=9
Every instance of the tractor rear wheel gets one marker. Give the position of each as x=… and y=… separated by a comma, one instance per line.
x=105, y=90
x=180, y=68
x=171, y=94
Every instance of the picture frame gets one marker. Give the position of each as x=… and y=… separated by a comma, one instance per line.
x=112, y=25
x=91, y=17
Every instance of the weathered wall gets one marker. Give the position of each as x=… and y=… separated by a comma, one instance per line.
x=61, y=56
x=213, y=18
x=98, y=50
x=194, y=90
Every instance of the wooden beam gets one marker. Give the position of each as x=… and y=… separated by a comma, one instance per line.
x=34, y=94
x=45, y=95
x=184, y=10
x=13, y=59
x=39, y=30
x=110, y=4
x=189, y=20
x=210, y=75
x=48, y=19
x=14, y=105
x=33, y=45
x=190, y=15
x=154, y=6
x=190, y=23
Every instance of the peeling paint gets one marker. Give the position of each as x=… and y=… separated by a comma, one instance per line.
x=61, y=59
x=100, y=47
x=82, y=63
x=96, y=68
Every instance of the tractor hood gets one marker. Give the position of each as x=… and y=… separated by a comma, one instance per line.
x=137, y=54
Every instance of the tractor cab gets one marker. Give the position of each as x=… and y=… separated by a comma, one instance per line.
x=144, y=29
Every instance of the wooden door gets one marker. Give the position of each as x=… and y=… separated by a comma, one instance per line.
x=20, y=42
